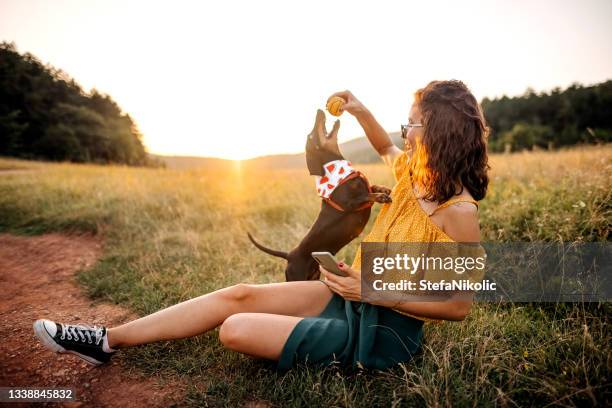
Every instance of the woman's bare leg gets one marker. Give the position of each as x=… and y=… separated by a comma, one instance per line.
x=201, y=314
x=257, y=334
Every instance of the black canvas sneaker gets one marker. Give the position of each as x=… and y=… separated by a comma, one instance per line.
x=83, y=341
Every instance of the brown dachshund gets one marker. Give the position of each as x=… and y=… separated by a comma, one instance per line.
x=345, y=207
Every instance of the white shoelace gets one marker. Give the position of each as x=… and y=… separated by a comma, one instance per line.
x=79, y=331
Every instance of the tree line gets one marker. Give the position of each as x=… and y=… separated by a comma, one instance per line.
x=45, y=114
x=578, y=114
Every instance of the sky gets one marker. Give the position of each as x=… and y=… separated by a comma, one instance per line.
x=239, y=79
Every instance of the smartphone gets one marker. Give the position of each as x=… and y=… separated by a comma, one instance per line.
x=327, y=261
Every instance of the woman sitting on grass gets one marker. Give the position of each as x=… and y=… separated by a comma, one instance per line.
x=440, y=176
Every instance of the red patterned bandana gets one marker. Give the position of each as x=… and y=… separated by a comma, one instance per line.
x=335, y=171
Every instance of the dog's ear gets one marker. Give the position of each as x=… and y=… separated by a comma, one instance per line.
x=334, y=133
x=318, y=131
x=331, y=142
x=314, y=146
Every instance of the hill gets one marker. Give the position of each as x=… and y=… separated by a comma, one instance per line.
x=358, y=151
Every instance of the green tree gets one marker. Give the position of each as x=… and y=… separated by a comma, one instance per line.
x=45, y=114
x=566, y=116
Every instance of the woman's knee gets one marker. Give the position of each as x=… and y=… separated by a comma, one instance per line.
x=239, y=293
x=232, y=332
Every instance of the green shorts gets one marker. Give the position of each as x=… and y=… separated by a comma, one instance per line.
x=352, y=333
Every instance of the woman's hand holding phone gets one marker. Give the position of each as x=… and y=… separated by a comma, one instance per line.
x=349, y=286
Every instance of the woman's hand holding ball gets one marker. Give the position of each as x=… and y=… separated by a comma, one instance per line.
x=345, y=101
x=335, y=105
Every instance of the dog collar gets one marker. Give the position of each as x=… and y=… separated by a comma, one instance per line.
x=335, y=172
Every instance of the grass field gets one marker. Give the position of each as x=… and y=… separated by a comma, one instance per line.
x=171, y=235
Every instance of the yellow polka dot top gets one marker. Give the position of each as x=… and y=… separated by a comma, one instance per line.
x=403, y=220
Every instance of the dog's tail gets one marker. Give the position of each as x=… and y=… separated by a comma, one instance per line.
x=273, y=252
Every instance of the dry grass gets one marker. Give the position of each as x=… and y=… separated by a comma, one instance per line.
x=171, y=235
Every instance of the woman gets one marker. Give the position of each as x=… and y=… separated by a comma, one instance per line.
x=440, y=177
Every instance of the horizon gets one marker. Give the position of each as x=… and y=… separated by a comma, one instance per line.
x=267, y=105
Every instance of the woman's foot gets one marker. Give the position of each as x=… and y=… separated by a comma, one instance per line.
x=86, y=342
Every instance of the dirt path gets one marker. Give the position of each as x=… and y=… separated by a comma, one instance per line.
x=37, y=281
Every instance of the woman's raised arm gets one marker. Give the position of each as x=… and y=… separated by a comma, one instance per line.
x=377, y=136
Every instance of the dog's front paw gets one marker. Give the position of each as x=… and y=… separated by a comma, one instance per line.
x=381, y=189
x=380, y=197
x=384, y=198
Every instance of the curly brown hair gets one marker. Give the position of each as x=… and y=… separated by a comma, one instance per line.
x=453, y=150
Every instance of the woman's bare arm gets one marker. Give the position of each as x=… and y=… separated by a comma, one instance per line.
x=377, y=136
x=457, y=307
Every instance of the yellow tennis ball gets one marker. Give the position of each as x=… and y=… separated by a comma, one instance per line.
x=335, y=104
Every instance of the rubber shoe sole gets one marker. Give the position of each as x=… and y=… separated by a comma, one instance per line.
x=46, y=339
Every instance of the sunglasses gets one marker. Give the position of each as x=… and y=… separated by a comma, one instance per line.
x=407, y=127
